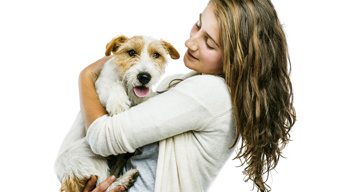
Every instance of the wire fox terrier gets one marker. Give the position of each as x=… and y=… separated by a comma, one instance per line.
x=126, y=78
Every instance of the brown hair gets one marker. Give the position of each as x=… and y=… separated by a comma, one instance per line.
x=255, y=65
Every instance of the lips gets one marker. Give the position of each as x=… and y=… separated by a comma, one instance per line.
x=141, y=91
x=190, y=55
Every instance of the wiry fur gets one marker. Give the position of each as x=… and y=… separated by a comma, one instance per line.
x=76, y=162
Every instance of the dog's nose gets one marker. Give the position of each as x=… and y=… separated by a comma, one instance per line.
x=144, y=78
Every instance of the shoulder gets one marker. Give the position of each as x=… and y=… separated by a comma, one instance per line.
x=209, y=90
x=206, y=81
x=212, y=91
x=164, y=84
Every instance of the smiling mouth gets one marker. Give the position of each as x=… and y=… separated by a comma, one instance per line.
x=191, y=56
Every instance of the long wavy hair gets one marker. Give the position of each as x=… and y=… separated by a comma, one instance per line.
x=256, y=68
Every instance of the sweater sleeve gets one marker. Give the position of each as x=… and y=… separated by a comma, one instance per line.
x=186, y=107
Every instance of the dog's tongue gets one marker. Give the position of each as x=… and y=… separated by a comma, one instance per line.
x=141, y=91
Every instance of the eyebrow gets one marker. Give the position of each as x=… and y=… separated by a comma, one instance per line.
x=206, y=33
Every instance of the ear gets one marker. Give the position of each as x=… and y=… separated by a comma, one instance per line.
x=113, y=45
x=171, y=50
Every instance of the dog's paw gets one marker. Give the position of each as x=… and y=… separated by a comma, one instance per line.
x=72, y=183
x=77, y=164
x=115, y=106
x=127, y=180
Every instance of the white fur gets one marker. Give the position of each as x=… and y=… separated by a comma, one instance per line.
x=111, y=90
x=115, y=92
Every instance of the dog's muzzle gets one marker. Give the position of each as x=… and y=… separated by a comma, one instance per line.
x=143, y=91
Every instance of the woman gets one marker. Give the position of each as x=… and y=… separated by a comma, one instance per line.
x=241, y=89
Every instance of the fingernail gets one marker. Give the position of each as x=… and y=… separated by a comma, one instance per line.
x=113, y=177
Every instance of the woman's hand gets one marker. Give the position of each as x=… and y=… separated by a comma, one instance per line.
x=94, y=69
x=90, y=105
x=102, y=187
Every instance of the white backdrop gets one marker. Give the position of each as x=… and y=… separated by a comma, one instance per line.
x=44, y=44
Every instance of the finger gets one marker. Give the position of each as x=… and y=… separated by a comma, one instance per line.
x=119, y=188
x=105, y=184
x=90, y=185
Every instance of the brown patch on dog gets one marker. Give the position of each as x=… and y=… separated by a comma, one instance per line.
x=174, y=54
x=73, y=184
x=114, y=44
x=157, y=53
x=123, y=59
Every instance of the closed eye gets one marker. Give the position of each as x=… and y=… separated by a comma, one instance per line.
x=208, y=44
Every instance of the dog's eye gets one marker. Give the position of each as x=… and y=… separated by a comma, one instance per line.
x=155, y=55
x=132, y=53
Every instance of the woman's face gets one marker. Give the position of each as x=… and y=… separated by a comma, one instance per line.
x=204, y=54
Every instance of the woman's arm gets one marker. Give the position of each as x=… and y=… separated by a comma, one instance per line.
x=187, y=107
x=90, y=105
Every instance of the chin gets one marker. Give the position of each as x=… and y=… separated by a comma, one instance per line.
x=188, y=64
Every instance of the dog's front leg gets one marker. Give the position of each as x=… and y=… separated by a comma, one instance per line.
x=118, y=101
x=127, y=180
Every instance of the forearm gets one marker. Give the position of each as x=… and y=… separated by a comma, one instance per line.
x=90, y=105
x=153, y=120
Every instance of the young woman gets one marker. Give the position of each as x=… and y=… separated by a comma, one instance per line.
x=240, y=90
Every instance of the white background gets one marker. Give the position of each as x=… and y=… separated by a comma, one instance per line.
x=45, y=44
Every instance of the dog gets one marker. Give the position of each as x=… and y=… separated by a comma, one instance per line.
x=126, y=78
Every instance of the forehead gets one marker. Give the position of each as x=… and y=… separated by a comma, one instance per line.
x=136, y=42
x=144, y=42
x=154, y=43
x=209, y=22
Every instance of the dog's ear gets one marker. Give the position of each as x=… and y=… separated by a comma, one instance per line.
x=113, y=45
x=174, y=54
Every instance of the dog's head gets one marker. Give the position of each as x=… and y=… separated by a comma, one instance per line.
x=140, y=61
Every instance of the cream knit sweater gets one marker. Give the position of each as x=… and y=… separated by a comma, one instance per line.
x=194, y=126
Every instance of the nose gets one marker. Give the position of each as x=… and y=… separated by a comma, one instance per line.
x=144, y=77
x=191, y=44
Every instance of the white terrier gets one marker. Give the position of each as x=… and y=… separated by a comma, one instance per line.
x=125, y=80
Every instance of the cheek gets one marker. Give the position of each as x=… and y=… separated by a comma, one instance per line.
x=213, y=61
